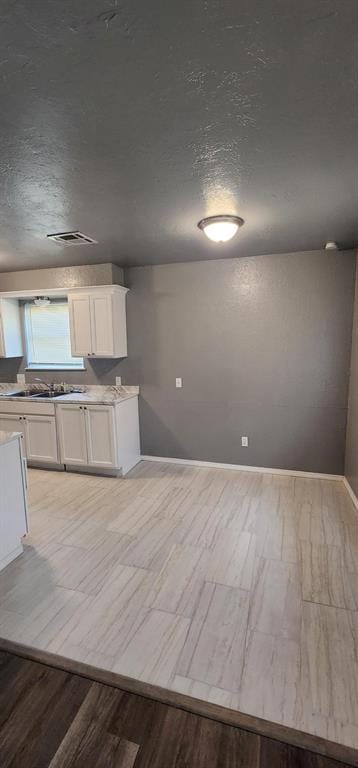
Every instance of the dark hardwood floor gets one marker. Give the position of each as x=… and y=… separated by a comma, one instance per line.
x=49, y=717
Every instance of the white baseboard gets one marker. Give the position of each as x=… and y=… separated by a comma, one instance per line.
x=351, y=492
x=242, y=468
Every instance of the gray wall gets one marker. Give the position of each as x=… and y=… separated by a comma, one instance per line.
x=351, y=466
x=61, y=277
x=263, y=347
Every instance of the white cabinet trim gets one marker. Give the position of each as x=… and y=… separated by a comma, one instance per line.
x=61, y=292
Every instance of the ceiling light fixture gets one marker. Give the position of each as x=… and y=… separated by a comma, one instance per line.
x=42, y=301
x=220, y=229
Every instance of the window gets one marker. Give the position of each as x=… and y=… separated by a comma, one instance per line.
x=47, y=332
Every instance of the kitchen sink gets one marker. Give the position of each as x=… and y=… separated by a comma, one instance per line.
x=47, y=394
x=36, y=393
x=15, y=394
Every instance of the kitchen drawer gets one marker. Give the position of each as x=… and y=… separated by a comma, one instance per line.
x=27, y=407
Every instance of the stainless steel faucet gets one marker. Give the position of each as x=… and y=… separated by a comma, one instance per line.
x=49, y=386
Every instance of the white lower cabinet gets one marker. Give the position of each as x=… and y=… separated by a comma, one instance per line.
x=11, y=422
x=72, y=434
x=87, y=435
x=38, y=432
x=94, y=435
x=41, y=438
x=100, y=435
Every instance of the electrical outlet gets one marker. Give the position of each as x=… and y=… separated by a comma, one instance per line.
x=21, y=378
x=118, y=381
x=178, y=383
x=245, y=441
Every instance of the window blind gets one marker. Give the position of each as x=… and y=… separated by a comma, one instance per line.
x=47, y=333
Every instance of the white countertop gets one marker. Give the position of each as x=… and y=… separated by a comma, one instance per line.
x=101, y=395
x=8, y=437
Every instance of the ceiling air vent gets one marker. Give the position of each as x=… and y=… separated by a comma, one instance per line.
x=71, y=238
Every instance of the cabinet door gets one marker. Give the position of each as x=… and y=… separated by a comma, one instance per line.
x=100, y=430
x=102, y=325
x=80, y=325
x=72, y=434
x=10, y=328
x=13, y=423
x=41, y=438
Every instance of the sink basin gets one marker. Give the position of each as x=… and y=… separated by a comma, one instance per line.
x=16, y=394
x=47, y=394
x=36, y=393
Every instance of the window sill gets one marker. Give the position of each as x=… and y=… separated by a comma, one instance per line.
x=60, y=368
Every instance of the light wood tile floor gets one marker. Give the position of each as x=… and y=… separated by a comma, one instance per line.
x=237, y=588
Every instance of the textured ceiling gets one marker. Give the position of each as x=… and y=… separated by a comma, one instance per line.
x=132, y=120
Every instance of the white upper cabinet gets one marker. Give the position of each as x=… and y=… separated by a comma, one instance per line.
x=80, y=325
x=103, y=329
x=98, y=322
x=10, y=329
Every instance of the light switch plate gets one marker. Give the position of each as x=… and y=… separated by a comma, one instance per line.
x=178, y=383
x=118, y=381
x=245, y=441
x=20, y=378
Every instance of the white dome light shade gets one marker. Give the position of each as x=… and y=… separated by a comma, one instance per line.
x=220, y=229
x=42, y=301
